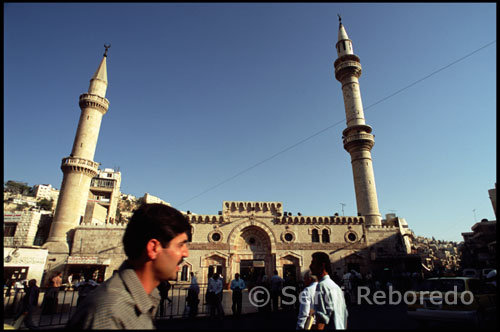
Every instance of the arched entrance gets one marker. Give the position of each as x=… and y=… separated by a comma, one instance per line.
x=252, y=257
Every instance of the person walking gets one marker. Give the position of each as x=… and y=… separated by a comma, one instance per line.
x=163, y=288
x=329, y=305
x=28, y=306
x=50, y=299
x=306, y=299
x=155, y=243
x=84, y=288
x=192, y=297
x=276, y=287
x=214, y=296
x=237, y=286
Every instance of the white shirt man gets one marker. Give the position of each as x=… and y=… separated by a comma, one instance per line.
x=306, y=299
x=329, y=303
x=215, y=285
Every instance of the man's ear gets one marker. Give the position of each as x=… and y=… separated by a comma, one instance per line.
x=153, y=248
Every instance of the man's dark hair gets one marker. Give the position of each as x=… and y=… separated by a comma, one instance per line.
x=322, y=257
x=152, y=221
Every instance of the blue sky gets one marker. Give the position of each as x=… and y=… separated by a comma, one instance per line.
x=200, y=93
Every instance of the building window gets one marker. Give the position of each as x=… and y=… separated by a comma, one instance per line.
x=215, y=236
x=325, y=237
x=9, y=229
x=184, y=273
x=351, y=236
x=315, y=235
x=288, y=237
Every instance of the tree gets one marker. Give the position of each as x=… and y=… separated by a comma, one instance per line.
x=17, y=187
x=45, y=204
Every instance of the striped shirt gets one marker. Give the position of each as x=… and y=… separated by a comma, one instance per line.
x=119, y=303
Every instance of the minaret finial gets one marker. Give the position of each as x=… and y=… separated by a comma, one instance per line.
x=106, y=51
x=340, y=18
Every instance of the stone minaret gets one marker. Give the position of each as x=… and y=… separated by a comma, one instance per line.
x=357, y=137
x=79, y=168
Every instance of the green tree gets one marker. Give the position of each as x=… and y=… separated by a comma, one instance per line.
x=17, y=187
x=45, y=204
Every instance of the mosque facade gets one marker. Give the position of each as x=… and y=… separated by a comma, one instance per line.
x=250, y=238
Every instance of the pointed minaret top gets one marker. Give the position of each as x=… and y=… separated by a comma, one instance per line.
x=99, y=82
x=342, y=32
x=344, y=44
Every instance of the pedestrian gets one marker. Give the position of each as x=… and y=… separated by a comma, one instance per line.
x=329, y=305
x=50, y=299
x=237, y=286
x=276, y=287
x=192, y=297
x=347, y=279
x=84, y=288
x=163, y=288
x=306, y=300
x=70, y=281
x=155, y=245
x=28, y=305
x=214, y=297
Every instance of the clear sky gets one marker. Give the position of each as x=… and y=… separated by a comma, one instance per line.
x=201, y=93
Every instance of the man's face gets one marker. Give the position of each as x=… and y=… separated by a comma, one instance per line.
x=237, y=276
x=167, y=263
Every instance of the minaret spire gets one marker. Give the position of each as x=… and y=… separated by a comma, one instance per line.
x=357, y=137
x=99, y=82
x=79, y=168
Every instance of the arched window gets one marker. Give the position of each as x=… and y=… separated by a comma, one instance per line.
x=184, y=273
x=190, y=235
x=325, y=237
x=315, y=235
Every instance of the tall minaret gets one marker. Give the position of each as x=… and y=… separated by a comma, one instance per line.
x=357, y=137
x=79, y=168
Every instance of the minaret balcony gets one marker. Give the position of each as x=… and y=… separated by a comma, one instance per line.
x=347, y=65
x=79, y=165
x=99, y=103
x=359, y=141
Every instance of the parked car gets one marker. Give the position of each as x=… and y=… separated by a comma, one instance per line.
x=484, y=273
x=454, y=299
x=471, y=273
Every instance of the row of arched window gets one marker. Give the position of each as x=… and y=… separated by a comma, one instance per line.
x=325, y=237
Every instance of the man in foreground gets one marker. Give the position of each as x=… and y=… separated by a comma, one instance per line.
x=155, y=244
x=329, y=303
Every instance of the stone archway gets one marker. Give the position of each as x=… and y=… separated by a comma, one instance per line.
x=251, y=252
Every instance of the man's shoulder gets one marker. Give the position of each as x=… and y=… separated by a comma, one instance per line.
x=110, y=299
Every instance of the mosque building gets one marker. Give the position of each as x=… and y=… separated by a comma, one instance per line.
x=250, y=238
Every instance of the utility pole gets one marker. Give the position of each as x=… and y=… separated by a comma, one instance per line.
x=343, y=209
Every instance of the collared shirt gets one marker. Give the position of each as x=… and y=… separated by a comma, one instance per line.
x=119, y=303
x=330, y=302
x=215, y=285
x=238, y=283
x=276, y=283
x=306, y=300
x=194, y=285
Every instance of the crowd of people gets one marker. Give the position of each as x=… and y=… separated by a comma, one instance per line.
x=155, y=243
